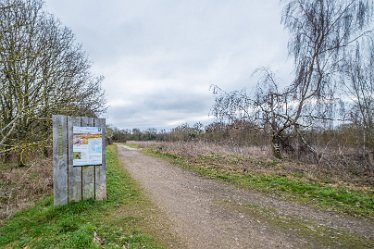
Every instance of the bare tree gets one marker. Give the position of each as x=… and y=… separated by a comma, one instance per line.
x=360, y=90
x=322, y=33
x=42, y=72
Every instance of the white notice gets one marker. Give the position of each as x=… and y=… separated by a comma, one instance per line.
x=87, y=146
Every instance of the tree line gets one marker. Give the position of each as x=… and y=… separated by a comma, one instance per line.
x=43, y=71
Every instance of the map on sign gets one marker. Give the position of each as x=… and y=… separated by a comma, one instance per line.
x=87, y=146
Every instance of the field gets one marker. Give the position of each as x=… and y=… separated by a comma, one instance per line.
x=255, y=169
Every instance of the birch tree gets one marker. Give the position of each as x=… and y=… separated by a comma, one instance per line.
x=322, y=33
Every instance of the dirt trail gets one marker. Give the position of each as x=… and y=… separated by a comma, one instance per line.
x=209, y=214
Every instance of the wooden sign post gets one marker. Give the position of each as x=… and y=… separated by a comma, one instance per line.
x=79, y=169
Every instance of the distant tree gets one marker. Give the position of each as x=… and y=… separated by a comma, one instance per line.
x=198, y=128
x=121, y=135
x=185, y=132
x=136, y=134
x=150, y=134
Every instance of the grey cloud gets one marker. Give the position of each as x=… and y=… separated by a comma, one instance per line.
x=162, y=110
x=175, y=101
x=146, y=118
x=160, y=56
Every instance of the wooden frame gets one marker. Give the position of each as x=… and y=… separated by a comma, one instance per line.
x=72, y=184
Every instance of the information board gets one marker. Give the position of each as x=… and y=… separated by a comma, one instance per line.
x=87, y=146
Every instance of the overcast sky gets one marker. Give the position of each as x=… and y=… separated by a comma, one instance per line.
x=159, y=57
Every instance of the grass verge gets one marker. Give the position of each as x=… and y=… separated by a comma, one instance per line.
x=318, y=194
x=125, y=220
x=317, y=235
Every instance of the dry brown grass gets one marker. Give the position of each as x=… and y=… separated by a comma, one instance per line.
x=254, y=160
x=21, y=186
x=194, y=149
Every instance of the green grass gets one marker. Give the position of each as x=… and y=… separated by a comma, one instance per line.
x=317, y=235
x=318, y=194
x=126, y=218
x=135, y=146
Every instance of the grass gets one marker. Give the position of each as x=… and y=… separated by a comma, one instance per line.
x=125, y=220
x=317, y=235
x=290, y=187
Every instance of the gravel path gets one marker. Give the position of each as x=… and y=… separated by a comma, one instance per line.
x=207, y=214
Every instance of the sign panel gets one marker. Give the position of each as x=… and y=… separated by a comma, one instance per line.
x=87, y=146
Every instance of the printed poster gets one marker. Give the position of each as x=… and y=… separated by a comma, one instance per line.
x=87, y=146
